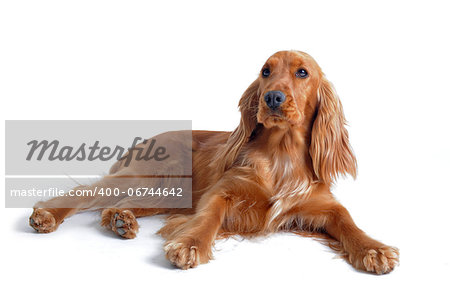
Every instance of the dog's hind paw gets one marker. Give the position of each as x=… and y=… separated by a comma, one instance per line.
x=43, y=221
x=122, y=222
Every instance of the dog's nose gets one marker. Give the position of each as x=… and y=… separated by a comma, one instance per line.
x=274, y=99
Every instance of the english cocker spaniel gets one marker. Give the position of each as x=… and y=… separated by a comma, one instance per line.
x=272, y=173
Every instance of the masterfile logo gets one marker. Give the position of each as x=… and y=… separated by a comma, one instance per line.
x=147, y=159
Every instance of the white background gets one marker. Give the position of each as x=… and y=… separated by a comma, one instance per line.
x=192, y=60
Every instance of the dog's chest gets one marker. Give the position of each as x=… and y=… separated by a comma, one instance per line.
x=281, y=174
x=288, y=185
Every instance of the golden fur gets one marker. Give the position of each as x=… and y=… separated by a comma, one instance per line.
x=273, y=172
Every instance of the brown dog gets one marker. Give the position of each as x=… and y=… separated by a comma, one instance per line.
x=273, y=172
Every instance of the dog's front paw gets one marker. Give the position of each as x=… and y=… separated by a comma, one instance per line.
x=186, y=253
x=43, y=221
x=380, y=260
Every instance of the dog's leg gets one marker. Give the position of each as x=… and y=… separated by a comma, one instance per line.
x=174, y=224
x=191, y=242
x=48, y=215
x=363, y=252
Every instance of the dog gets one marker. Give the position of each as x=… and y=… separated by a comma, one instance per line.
x=273, y=173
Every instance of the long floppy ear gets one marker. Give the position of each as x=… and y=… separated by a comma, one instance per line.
x=248, y=105
x=330, y=149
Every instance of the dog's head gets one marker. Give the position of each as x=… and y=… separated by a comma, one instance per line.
x=291, y=92
x=287, y=89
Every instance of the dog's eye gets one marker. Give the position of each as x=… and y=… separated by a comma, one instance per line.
x=265, y=72
x=301, y=73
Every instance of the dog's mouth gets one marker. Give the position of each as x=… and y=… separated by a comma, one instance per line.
x=270, y=118
x=279, y=117
x=276, y=115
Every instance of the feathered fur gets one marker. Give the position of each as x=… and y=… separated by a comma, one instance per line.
x=273, y=172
